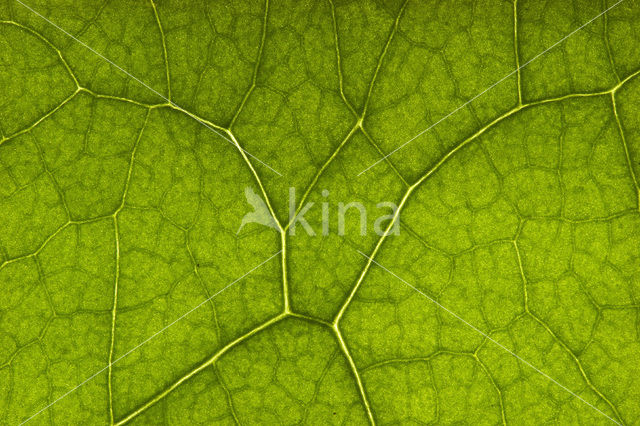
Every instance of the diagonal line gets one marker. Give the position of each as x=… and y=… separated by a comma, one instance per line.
x=490, y=87
x=150, y=338
x=500, y=345
x=142, y=83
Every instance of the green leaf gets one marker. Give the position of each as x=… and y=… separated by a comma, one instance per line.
x=138, y=286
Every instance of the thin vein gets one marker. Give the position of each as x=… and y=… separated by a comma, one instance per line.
x=484, y=368
x=201, y=367
x=393, y=32
x=164, y=48
x=254, y=76
x=358, y=124
x=54, y=181
x=403, y=201
x=515, y=49
x=39, y=120
x=492, y=340
x=148, y=339
x=490, y=87
x=626, y=149
x=121, y=99
x=48, y=43
x=316, y=388
x=227, y=394
x=605, y=35
x=424, y=359
x=435, y=168
x=566, y=348
x=339, y=60
x=244, y=154
x=199, y=120
x=375, y=146
x=211, y=361
x=117, y=272
x=446, y=157
x=319, y=173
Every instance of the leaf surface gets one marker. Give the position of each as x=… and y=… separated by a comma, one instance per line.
x=506, y=133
